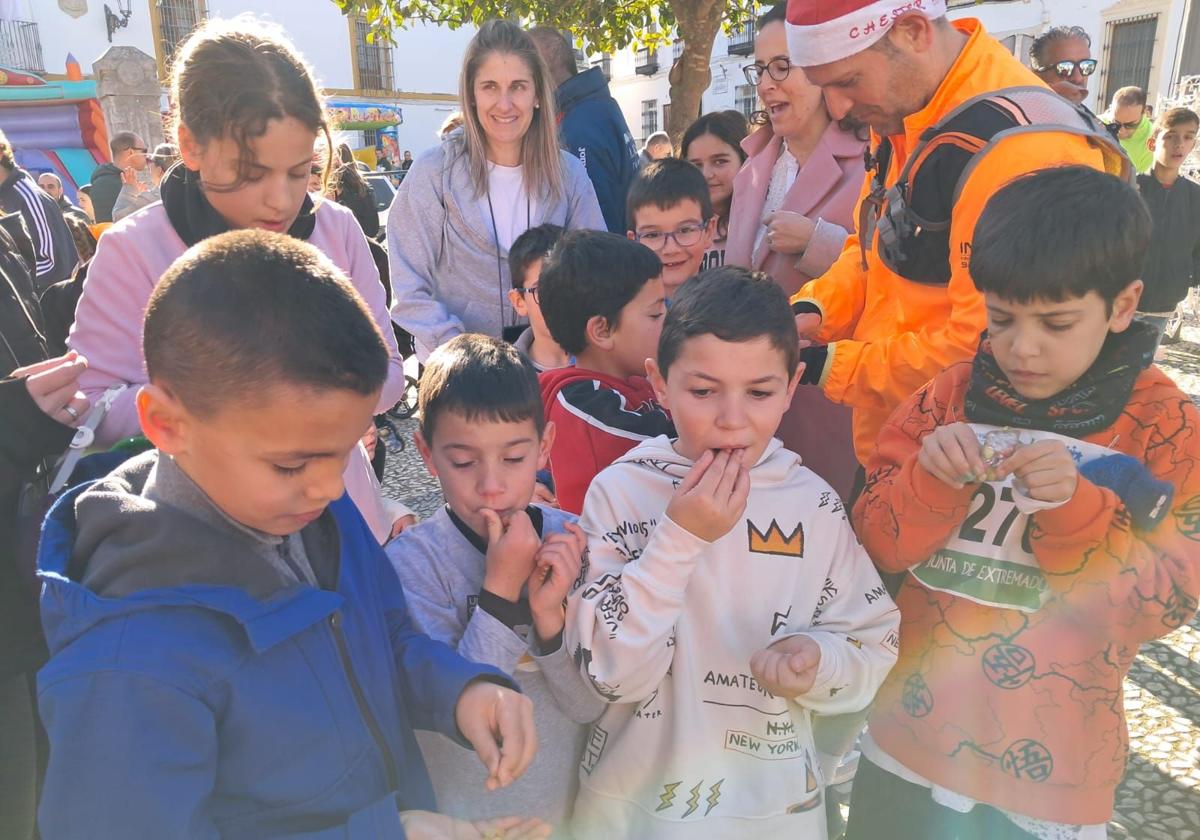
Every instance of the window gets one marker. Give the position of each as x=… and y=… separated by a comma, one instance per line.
x=649, y=117
x=20, y=45
x=741, y=41
x=370, y=138
x=666, y=116
x=1130, y=53
x=745, y=99
x=172, y=21
x=676, y=49
x=372, y=61
x=1018, y=45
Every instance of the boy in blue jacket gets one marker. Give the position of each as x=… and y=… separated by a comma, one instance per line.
x=231, y=654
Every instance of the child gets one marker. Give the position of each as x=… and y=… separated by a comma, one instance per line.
x=1174, y=202
x=713, y=144
x=602, y=298
x=726, y=598
x=231, y=651
x=245, y=164
x=670, y=212
x=1043, y=502
x=524, y=267
x=488, y=574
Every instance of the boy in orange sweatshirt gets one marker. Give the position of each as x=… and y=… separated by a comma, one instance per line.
x=1045, y=501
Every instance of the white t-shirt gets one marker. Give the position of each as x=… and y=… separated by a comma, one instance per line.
x=511, y=205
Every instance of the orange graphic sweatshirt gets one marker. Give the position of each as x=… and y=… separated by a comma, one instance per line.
x=1017, y=629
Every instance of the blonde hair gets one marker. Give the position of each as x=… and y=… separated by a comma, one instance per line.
x=230, y=78
x=543, y=173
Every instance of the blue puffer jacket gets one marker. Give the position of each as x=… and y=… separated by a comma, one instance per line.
x=592, y=127
x=181, y=704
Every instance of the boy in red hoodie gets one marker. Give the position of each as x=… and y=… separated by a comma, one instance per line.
x=1045, y=502
x=602, y=299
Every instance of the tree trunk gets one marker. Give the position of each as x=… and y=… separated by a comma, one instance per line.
x=698, y=23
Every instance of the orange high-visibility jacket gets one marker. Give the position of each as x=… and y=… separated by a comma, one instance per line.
x=887, y=335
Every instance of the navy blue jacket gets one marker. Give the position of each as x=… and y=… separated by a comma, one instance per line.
x=592, y=127
x=199, y=710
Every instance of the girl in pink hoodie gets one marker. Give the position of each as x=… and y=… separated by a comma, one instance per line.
x=248, y=114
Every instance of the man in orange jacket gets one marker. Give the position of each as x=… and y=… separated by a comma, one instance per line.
x=883, y=327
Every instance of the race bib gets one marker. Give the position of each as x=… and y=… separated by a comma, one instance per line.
x=988, y=559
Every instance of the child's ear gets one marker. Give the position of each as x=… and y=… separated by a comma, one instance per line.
x=165, y=422
x=517, y=299
x=547, y=444
x=599, y=333
x=1124, y=306
x=1152, y=143
x=190, y=149
x=631, y=235
x=426, y=452
x=791, y=388
x=710, y=231
x=658, y=382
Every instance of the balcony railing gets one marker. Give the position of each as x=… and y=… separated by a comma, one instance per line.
x=647, y=62
x=20, y=46
x=742, y=41
x=605, y=65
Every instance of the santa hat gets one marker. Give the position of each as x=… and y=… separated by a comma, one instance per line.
x=824, y=31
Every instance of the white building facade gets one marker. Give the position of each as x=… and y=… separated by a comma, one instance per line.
x=419, y=75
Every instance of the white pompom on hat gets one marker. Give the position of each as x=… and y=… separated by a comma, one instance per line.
x=824, y=31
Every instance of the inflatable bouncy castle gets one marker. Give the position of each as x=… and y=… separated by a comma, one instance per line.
x=54, y=126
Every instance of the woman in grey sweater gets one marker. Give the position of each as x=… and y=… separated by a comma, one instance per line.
x=462, y=204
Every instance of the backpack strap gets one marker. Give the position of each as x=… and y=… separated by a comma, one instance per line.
x=914, y=215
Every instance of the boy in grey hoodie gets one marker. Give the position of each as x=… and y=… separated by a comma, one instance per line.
x=489, y=573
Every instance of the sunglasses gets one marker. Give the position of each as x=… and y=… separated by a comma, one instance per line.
x=1066, y=69
x=1129, y=126
x=777, y=68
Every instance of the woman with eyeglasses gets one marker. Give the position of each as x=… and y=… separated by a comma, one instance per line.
x=463, y=204
x=793, y=207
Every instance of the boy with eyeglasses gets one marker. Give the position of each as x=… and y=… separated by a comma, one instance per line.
x=525, y=259
x=602, y=298
x=670, y=212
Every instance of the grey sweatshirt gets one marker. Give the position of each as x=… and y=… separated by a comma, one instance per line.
x=448, y=274
x=442, y=574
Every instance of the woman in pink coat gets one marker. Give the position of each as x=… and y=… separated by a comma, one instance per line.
x=793, y=207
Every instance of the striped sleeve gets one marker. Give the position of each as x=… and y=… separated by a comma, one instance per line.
x=39, y=226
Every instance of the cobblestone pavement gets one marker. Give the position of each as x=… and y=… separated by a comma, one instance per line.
x=1160, y=796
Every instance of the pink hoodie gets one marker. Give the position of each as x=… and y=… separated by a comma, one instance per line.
x=130, y=258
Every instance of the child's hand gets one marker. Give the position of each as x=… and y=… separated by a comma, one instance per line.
x=787, y=668
x=369, y=440
x=406, y=521
x=512, y=546
x=951, y=455
x=499, y=724
x=426, y=825
x=712, y=496
x=1045, y=470
x=543, y=496
x=556, y=568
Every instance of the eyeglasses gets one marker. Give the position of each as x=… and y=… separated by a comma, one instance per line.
x=777, y=68
x=531, y=291
x=1066, y=69
x=685, y=237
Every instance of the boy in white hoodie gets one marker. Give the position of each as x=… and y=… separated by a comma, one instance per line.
x=726, y=599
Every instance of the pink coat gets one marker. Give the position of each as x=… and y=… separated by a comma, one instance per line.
x=130, y=258
x=826, y=190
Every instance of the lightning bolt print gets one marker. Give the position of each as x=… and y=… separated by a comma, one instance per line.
x=693, y=801
x=667, y=797
x=714, y=796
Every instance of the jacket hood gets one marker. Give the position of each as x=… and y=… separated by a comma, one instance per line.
x=659, y=455
x=586, y=85
x=107, y=550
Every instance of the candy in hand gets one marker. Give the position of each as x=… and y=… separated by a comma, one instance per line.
x=997, y=447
